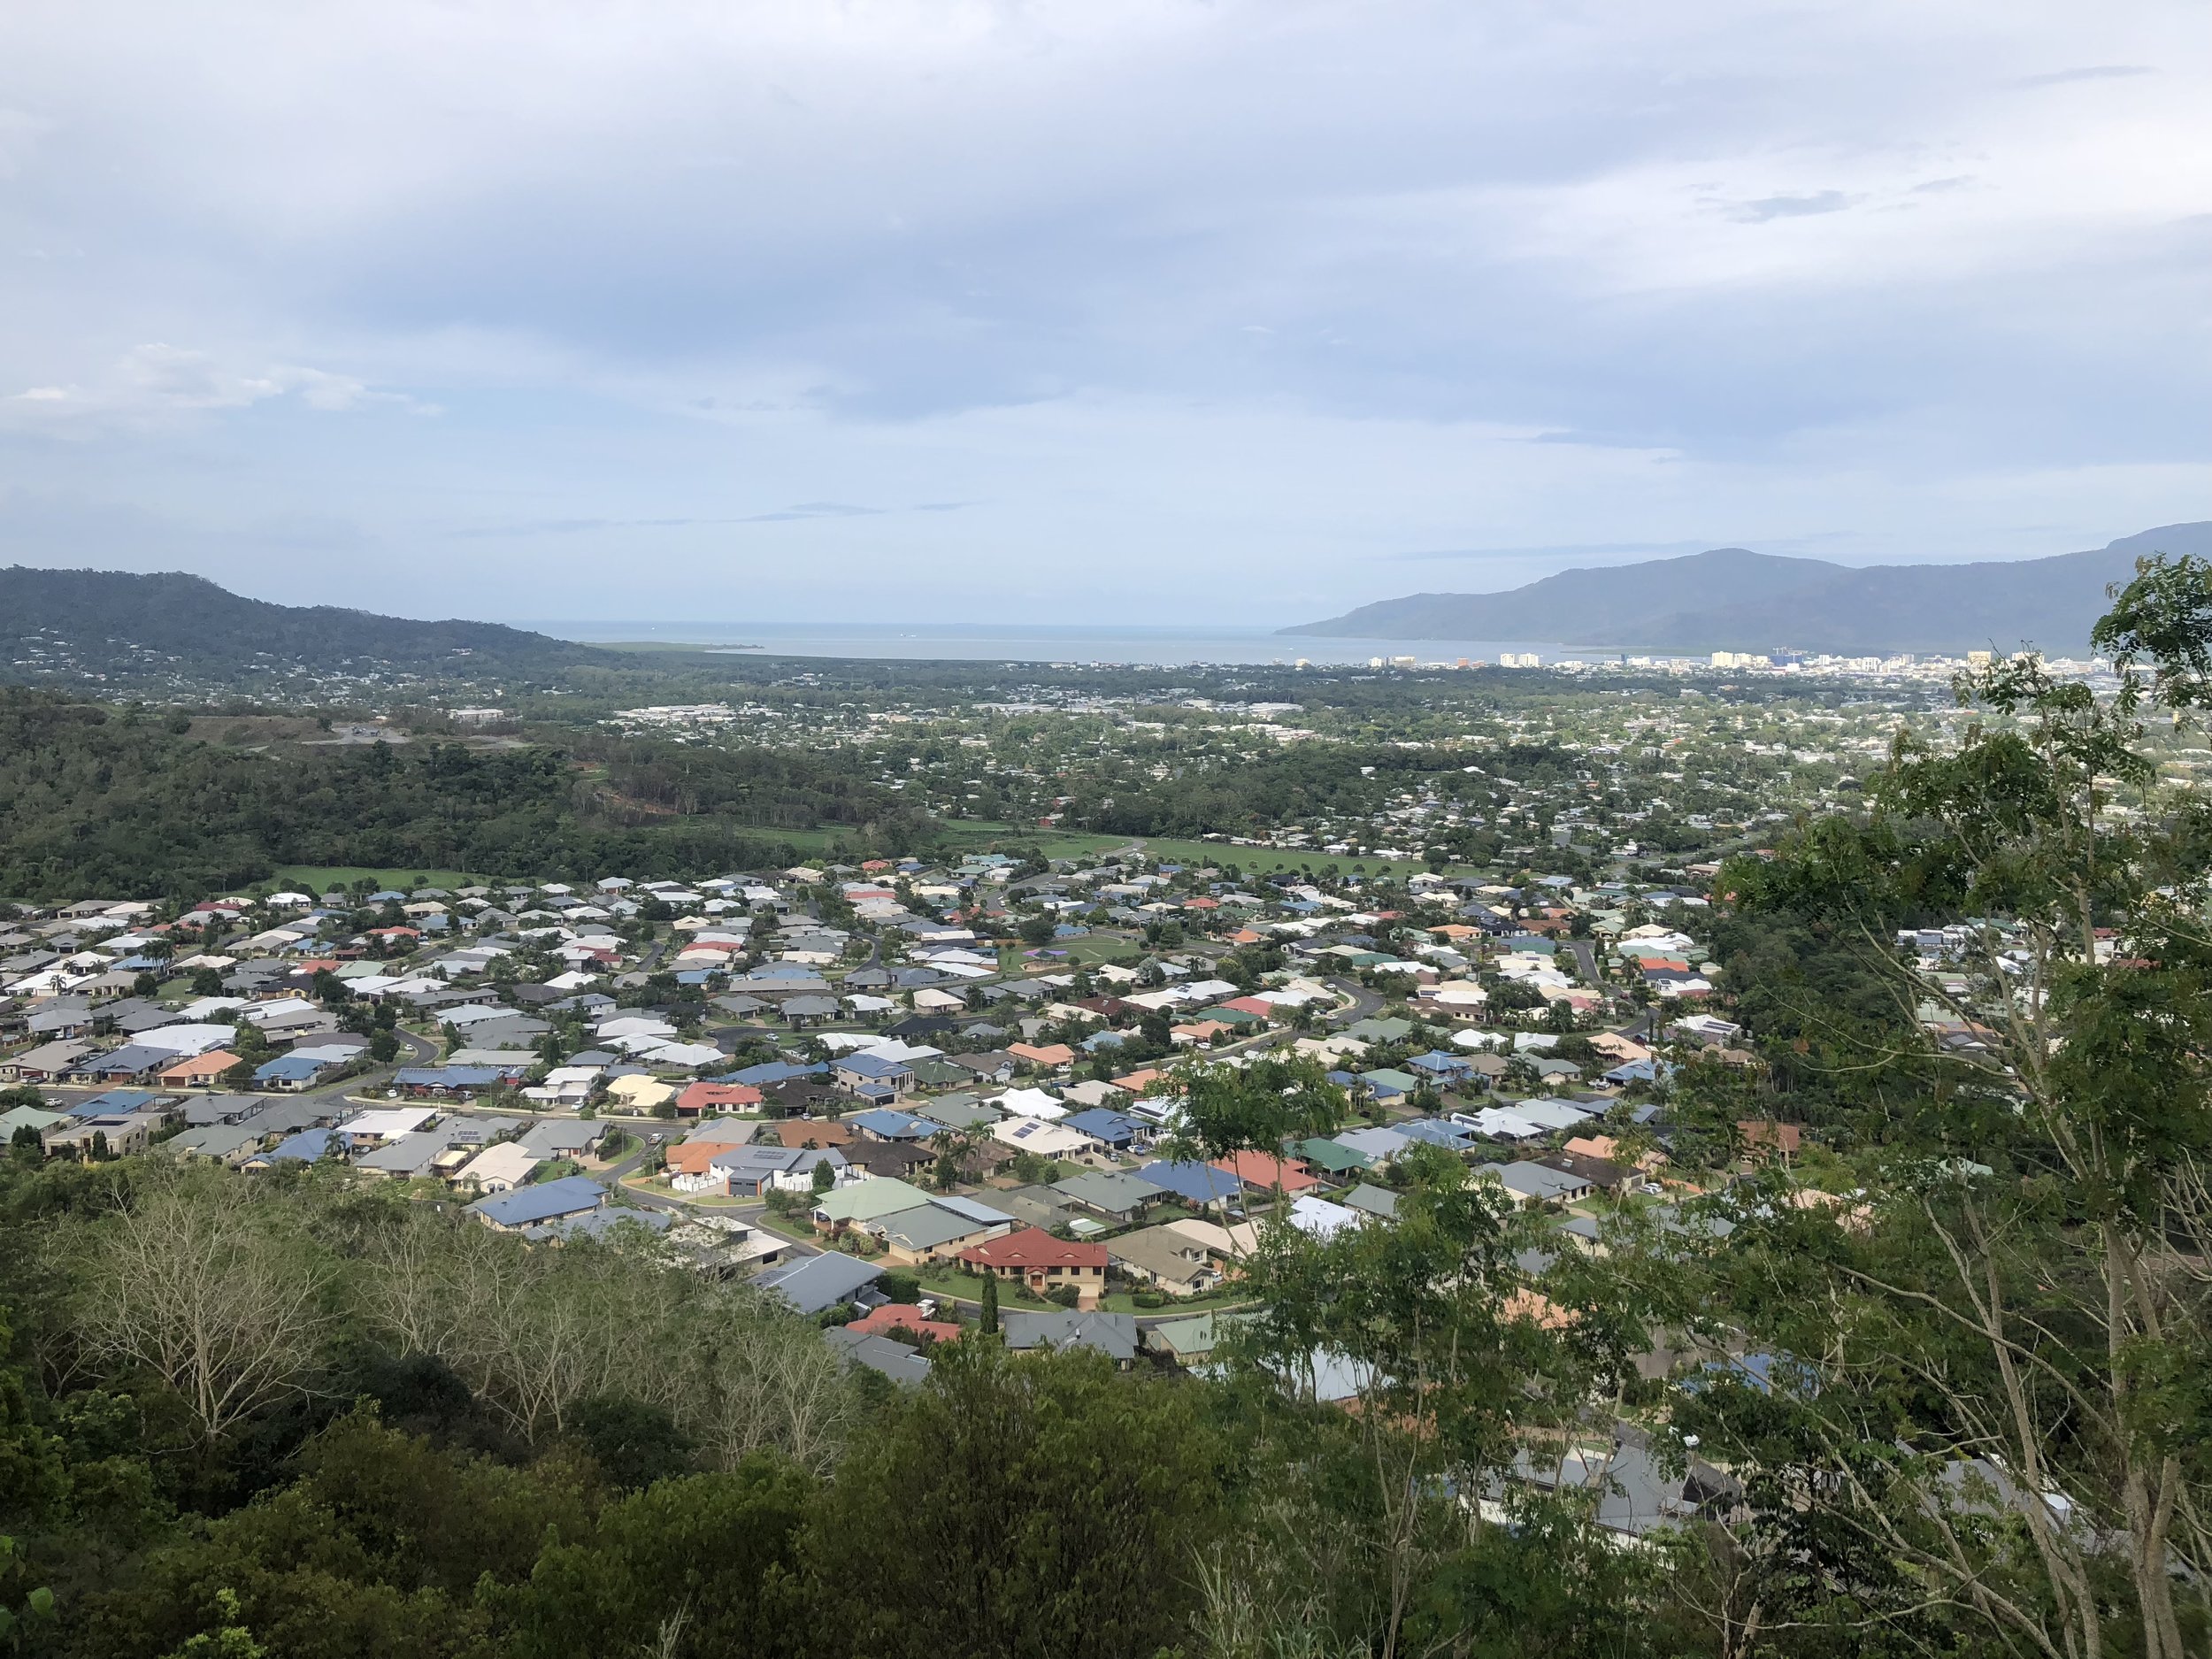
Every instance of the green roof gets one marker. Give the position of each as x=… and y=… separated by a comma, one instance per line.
x=869, y=1200
x=1332, y=1156
x=1390, y=1077
x=19, y=1116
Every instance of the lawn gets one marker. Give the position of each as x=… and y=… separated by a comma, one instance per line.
x=1091, y=948
x=968, y=1287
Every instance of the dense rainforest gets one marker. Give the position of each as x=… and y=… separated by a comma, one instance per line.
x=128, y=803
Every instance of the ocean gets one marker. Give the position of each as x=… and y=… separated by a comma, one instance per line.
x=974, y=643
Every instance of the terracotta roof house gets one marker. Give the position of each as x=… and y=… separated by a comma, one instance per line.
x=1265, y=1172
x=894, y=1316
x=1763, y=1138
x=1036, y=1260
x=198, y=1072
x=699, y=1098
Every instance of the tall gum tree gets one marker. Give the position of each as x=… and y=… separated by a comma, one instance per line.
x=2047, y=1325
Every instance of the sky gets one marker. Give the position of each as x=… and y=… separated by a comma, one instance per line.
x=1209, y=312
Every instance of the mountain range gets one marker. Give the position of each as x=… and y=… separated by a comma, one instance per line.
x=1734, y=599
x=122, y=624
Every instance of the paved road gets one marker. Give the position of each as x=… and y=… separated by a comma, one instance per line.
x=1586, y=956
x=1366, y=1002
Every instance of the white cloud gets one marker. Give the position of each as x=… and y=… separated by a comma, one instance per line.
x=156, y=381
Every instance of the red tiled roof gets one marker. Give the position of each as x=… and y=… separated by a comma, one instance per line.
x=894, y=1316
x=1264, y=1169
x=1033, y=1247
x=698, y=1097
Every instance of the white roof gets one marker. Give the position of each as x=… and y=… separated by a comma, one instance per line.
x=683, y=1054
x=1500, y=1124
x=1319, y=1218
x=283, y=1007
x=510, y=1162
x=186, y=1040
x=389, y=1123
x=1033, y=1135
x=472, y=1014
x=1029, y=1102
x=634, y=1026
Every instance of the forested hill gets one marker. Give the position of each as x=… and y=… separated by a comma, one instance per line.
x=129, y=804
x=1733, y=599
x=66, y=624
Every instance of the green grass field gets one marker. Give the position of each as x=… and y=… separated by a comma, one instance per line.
x=962, y=834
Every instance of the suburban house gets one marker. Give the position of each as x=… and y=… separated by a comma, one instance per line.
x=820, y=1282
x=45, y=1064
x=1107, y=1193
x=697, y=1099
x=1532, y=1183
x=498, y=1168
x=1166, y=1258
x=1112, y=1334
x=859, y=1070
x=1263, y=1172
x=1035, y=1260
x=199, y=1071
x=864, y=1202
x=527, y=1207
x=939, y=1230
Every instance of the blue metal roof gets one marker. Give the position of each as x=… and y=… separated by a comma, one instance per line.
x=773, y=1071
x=1199, y=1183
x=303, y=1148
x=287, y=1066
x=873, y=1065
x=542, y=1203
x=1103, y=1123
x=896, y=1125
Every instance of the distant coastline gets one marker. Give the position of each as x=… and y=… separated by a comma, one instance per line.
x=1103, y=646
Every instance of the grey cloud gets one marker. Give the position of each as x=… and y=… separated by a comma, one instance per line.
x=1773, y=207
x=2093, y=72
x=889, y=263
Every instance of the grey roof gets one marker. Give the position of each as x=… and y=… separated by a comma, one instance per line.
x=216, y=1140
x=928, y=1226
x=1375, y=1200
x=960, y=1111
x=558, y=1137
x=409, y=1155
x=896, y=1360
x=1539, y=1181
x=222, y=1108
x=1033, y=1206
x=1110, y=1333
x=1108, y=1191
x=598, y=1224
x=299, y=1111
x=1635, y=1492
x=819, y=1281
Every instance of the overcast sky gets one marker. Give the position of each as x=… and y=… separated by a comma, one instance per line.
x=1119, y=310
